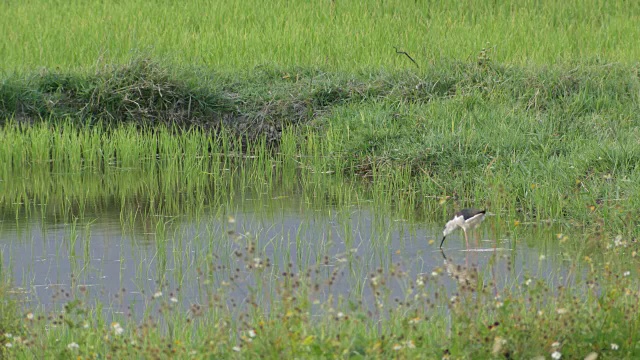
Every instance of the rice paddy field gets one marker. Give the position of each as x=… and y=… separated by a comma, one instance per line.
x=213, y=180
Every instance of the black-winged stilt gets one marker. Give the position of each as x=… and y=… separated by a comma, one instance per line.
x=467, y=219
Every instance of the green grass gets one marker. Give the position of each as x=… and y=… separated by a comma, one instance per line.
x=330, y=34
x=289, y=315
x=550, y=143
x=168, y=109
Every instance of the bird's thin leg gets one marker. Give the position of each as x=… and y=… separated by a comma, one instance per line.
x=466, y=238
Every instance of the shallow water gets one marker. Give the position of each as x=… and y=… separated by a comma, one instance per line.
x=122, y=258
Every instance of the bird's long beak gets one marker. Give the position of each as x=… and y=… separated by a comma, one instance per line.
x=444, y=237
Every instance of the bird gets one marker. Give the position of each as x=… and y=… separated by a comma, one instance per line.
x=467, y=219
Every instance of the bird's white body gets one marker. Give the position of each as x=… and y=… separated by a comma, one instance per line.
x=466, y=219
x=459, y=222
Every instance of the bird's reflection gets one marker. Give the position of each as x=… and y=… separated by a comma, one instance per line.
x=464, y=275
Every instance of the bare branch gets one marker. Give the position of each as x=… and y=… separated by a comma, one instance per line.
x=409, y=56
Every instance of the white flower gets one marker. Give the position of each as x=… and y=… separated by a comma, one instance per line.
x=236, y=348
x=173, y=299
x=542, y=257
x=8, y=335
x=561, y=311
x=419, y=282
x=556, y=355
x=618, y=241
x=409, y=344
x=499, y=304
x=454, y=298
x=252, y=333
x=434, y=274
x=8, y=345
x=397, y=347
x=528, y=282
x=555, y=344
x=591, y=356
x=73, y=346
x=157, y=294
x=626, y=273
x=340, y=314
x=30, y=316
x=614, y=347
x=117, y=329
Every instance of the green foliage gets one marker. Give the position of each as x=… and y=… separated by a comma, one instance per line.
x=331, y=34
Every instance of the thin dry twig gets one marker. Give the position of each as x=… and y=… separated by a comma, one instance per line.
x=409, y=56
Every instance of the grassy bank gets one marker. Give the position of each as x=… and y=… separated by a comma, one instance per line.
x=549, y=143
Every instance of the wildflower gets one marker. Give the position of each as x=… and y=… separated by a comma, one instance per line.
x=157, y=294
x=8, y=345
x=236, y=348
x=117, y=329
x=555, y=344
x=499, y=304
x=173, y=299
x=73, y=346
x=415, y=320
x=374, y=281
x=397, y=347
x=419, y=282
x=434, y=274
x=498, y=342
x=454, y=298
x=85, y=325
x=8, y=335
x=340, y=314
x=410, y=344
x=562, y=311
x=556, y=355
x=614, y=347
x=626, y=273
x=252, y=333
x=30, y=316
x=618, y=241
x=542, y=257
x=528, y=282
x=591, y=356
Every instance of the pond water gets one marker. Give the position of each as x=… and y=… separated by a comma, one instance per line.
x=122, y=256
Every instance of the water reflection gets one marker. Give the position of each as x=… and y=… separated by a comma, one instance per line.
x=123, y=259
